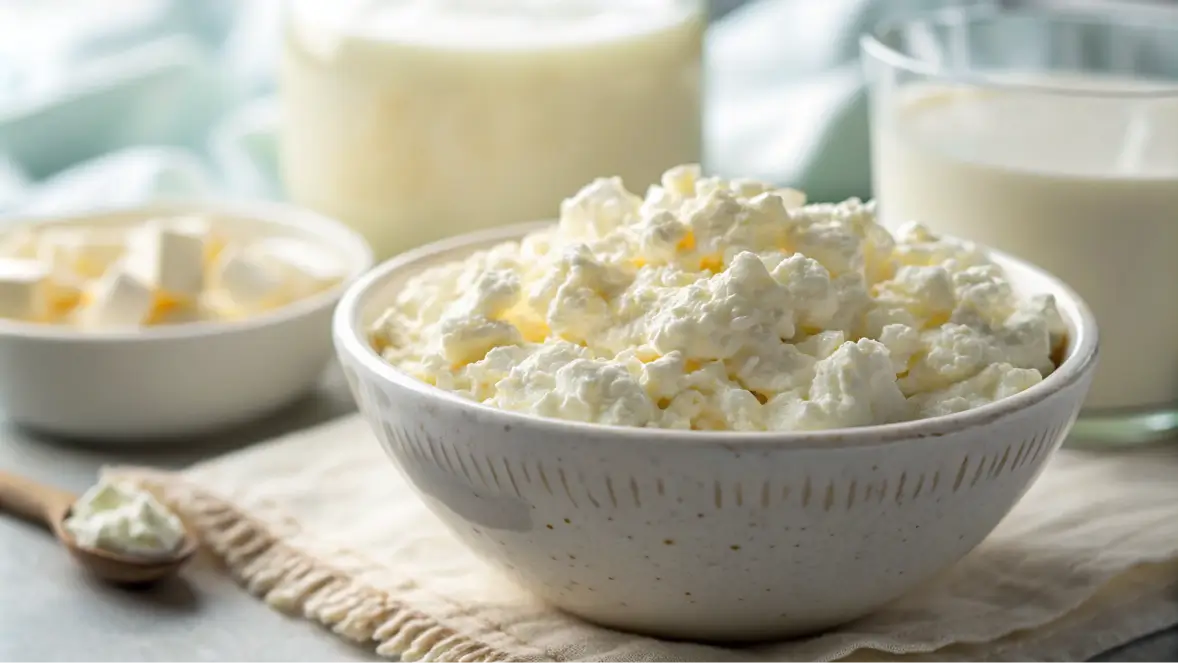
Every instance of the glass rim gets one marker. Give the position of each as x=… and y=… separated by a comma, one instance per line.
x=872, y=46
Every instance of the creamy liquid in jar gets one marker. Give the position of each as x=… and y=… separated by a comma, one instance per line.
x=414, y=120
x=1083, y=186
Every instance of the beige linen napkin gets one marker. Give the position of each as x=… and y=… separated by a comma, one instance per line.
x=320, y=523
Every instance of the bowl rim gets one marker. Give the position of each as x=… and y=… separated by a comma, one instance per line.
x=356, y=250
x=350, y=339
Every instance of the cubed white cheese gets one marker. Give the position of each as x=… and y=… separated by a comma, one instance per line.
x=215, y=240
x=304, y=267
x=247, y=283
x=118, y=299
x=24, y=289
x=168, y=260
x=166, y=270
x=19, y=243
x=80, y=253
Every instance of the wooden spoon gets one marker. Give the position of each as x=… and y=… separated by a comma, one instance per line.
x=50, y=506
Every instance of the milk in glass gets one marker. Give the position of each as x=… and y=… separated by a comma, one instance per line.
x=1080, y=177
x=414, y=120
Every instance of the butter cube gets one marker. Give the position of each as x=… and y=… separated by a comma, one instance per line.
x=168, y=260
x=77, y=253
x=241, y=281
x=199, y=226
x=118, y=299
x=24, y=289
x=306, y=268
x=19, y=243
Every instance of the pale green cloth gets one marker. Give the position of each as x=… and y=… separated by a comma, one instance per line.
x=117, y=102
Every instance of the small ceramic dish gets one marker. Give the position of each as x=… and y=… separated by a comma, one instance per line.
x=183, y=380
x=708, y=535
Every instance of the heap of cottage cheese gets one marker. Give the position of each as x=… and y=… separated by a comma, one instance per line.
x=722, y=305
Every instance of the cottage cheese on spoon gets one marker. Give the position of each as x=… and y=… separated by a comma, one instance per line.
x=119, y=518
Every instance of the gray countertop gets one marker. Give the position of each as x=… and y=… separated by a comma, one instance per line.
x=50, y=611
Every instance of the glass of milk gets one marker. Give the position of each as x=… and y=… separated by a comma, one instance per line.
x=414, y=120
x=1051, y=135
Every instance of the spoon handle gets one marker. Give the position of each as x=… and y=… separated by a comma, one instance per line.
x=31, y=500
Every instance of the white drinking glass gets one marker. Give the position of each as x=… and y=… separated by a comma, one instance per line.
x=1050, y=134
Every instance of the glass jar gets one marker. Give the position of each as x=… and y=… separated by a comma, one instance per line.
x=1051, y=134
x=415, y=120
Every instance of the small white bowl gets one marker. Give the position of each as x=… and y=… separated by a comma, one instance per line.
x=707, y=535
x=183, y=380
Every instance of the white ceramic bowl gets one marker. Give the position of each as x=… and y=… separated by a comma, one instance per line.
x=710, y=536
x=182, y=380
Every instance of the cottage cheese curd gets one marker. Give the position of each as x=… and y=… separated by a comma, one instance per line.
x=716, y=304
x=161, y=271
x=122, y=519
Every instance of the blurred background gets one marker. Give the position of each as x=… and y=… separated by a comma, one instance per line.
x=118, y=101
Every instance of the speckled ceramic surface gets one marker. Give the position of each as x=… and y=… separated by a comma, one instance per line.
x=712, y=536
